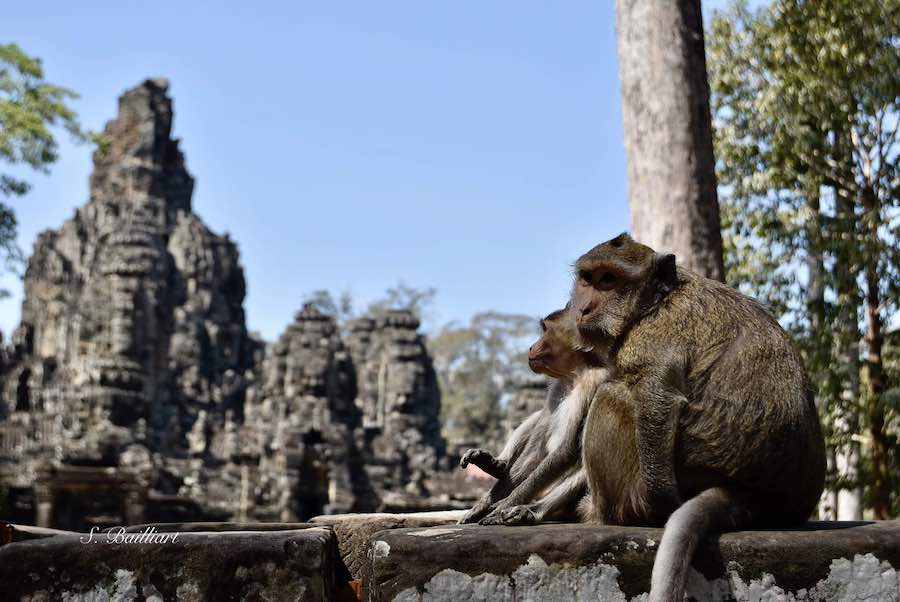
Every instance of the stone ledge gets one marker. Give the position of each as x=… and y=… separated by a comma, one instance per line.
x=822, y=561
x=10, y=532
x=354, y=534
x=296, y=564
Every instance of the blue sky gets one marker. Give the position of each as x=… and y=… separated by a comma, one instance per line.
x=475, y=147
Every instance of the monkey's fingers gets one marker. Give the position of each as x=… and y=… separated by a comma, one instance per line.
x=492, y=519
x=518, y=515
x=476, y=512
x=495, y=517
x=467, y=518
x=472, y=516
x=478, y=457
x=467, y=457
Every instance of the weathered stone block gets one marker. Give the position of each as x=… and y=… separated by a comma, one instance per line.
x=354, y=534
x=296, y=564
x=823, y=561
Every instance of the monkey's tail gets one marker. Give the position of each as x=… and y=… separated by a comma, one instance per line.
x=717, y=508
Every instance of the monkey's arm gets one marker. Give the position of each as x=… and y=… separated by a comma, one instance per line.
x=498, y=467
x=562, y=444
x=561, y=503
x=514, y=454
x=658, y=407
x=564, y=453
x=485, y=460
x=525, y=464
x=554, y=465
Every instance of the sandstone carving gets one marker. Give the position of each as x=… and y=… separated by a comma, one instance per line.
x=132, y=373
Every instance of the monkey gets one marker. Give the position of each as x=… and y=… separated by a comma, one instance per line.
x=547, y=444
x=725, y=430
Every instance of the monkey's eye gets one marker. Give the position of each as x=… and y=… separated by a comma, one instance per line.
x=585, y=276
x=543, y=326
x=606, y=280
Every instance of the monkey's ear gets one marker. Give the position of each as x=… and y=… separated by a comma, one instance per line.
x=666, y=273
x=621, y=239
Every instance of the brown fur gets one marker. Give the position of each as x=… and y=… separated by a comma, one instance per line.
x=719, y=397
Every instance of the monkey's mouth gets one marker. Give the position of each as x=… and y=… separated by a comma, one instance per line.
x=536, y=364
x=540, y=366
x=590, y=325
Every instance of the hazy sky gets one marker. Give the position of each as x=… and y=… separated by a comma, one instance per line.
x=475, y=147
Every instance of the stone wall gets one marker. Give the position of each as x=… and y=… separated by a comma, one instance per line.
x=427, y=557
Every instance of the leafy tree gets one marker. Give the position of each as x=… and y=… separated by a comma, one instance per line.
x=403, y=296
x=804, y=99
x=478, y=365
x=30, y=108
x=341, y=309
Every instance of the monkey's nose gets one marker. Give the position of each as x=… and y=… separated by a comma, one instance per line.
x=585, y=310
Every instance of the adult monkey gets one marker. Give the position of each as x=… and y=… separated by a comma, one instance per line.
x=723, y=410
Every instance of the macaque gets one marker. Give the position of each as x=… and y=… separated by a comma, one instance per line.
x=543, y=454
x=725, y=431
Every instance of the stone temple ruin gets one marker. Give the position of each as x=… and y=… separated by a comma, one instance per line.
x=133, y=392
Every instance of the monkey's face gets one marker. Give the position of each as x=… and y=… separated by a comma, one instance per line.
x=554, y=353
x=614, y=283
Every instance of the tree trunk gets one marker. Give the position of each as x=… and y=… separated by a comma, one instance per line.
x=848, y=455
x=668, y=132
x=815, y=292
x=818, y=346
x=881, y=474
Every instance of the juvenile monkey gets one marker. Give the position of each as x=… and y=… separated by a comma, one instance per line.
x=548, y=444
x=723, y=414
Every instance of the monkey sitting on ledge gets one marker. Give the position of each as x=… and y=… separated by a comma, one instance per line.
x=543, y=454
x=712, y=395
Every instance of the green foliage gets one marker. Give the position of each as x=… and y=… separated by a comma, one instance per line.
x=403, y=296
x=30, y=109
x=341, y=309
x=478, y=365
x=804, y=99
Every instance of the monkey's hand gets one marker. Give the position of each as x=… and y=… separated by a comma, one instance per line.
x=516, y=515
x=486, y=461
x=475, y=513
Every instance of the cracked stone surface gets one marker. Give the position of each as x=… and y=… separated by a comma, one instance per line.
x=354, y=533
x=823, y=561
x=295, y=564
